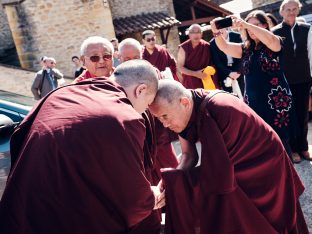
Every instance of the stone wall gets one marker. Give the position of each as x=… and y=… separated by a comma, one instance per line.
x=257, y=3
x=57, y=29
x=125, y=8
x=6, y=40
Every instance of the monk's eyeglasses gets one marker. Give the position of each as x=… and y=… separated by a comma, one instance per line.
x=97, y=58
x=150, y=39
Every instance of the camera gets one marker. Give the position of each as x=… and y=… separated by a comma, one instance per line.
x=224, y=23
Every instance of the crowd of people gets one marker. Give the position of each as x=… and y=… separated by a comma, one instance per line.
x=96, y=156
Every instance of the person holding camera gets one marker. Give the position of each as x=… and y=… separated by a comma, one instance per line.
x=46, y=79
x=267, y=91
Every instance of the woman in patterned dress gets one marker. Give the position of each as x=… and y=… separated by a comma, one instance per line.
x=266, y=91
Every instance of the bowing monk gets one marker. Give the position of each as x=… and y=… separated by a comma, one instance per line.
x=97, y=56
x=246, y=183
x=158, y=55
x=193, y=56
x=80, y=169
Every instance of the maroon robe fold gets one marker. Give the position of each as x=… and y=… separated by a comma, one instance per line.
x=161, y=59
x=78, y=165
x=196, y=59
x=245, y=183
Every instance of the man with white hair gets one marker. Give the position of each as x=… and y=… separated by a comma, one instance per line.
x=97, y=56
x=297, y=45
x=194, y=55
x=46, y=79
x=80, y=169
x=129, y=49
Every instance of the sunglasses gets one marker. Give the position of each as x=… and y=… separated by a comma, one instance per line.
x=150, y=39
x=97, y=58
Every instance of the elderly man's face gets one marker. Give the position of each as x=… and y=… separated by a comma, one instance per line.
x=129, y=53
x=290, y=12
x=98, y=60
x=174, y=116
x=141, y=97
x=195, y=34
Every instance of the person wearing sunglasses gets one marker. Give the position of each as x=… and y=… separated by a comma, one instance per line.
x=97, y=56
x=158, y=55
x=193, y=56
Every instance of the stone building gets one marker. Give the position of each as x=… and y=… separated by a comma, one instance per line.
x=57, y=28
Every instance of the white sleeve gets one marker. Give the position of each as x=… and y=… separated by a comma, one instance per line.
x=310, y=48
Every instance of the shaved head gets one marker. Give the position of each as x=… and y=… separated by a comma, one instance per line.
x=173, y=105
x=170, y=91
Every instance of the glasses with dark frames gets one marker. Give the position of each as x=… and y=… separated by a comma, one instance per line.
x=97, y=58
x=150, y=39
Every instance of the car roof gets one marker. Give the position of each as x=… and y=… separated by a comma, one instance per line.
x=17, y=98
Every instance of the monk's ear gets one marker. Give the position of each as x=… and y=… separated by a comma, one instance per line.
x=184, y=101
x=140, y=89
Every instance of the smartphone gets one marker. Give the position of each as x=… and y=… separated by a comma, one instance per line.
x=224, y=23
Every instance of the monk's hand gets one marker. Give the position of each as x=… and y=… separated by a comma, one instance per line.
x=160, y=200
x=199, y=74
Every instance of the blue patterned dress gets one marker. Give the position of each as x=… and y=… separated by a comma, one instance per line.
x=267, y=91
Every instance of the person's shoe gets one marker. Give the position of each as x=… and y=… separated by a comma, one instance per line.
x=306, y=155
x=295, y=158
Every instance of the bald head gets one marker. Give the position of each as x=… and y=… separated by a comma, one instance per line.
x=170, y=91
x=195, y=27
x=130, y=49
x=172, y=105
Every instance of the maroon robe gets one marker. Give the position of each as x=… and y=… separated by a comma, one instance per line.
x=161, y=59
x=166, y=156
x=78, y=164
x=245, y=183
x=196, y=59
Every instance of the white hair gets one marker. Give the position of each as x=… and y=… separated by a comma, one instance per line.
x=95, y=40
x=288, y=1
x=129, y=42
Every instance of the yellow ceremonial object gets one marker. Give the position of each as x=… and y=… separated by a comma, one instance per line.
x=207, y=80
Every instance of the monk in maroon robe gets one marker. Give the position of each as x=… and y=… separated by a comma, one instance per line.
x=97, y=57
x=193, y=56
x=160, y=58
x=77, y=158
x=246, y=183
x=158, y=55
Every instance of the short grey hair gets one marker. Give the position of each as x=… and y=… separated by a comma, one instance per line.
x=195, y=26
x=171, y=90
x=129, y=42
x=95, y=40
x=134, y=72
x=288, y=1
